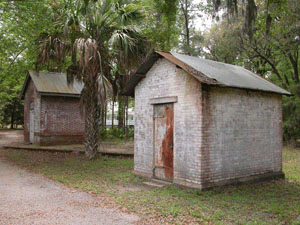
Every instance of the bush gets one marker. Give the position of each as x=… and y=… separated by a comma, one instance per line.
x=116, y=133
x=291, y=118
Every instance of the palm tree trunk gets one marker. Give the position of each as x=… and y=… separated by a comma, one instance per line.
x=120, y=112
x=92, y=120
x=105, y=116
x=113, y=112
x=92, y=132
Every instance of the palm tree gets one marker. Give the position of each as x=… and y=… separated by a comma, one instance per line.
x=105, y=39
x=95, y=93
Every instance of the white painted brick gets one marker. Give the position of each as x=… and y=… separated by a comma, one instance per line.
x=219, y=135
x=164, y=79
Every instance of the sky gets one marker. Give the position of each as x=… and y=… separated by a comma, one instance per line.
x=205, y=22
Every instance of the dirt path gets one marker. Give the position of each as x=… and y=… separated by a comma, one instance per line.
x=11, y=137
x=14, y=139
x=27, y=198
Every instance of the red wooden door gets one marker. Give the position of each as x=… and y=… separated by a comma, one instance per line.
x=163, y=141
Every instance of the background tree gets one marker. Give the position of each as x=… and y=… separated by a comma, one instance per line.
x=190, y=39
x=21, y=22
x=236, y=9
x=160, y=25
x=272, y=51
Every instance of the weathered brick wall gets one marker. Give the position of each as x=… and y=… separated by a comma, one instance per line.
x=31, y=99
x=164, y=79
x=61, y=121
x=221, y=135
x=244, y=135
x=57, y=120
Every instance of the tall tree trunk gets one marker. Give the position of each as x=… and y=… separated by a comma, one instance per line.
x=294, y=62
x=92, y=131
x=12, y=119
x=121, y=112
x=274, y=69
x=126, y=112
x=184, y=8
x=187, y=30
x=113, y=112
x=92, y=119
x=104, y=116
x=106, y=108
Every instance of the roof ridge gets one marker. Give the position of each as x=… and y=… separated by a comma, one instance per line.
x=231, y=78
x=52, y=83
x=207, y=71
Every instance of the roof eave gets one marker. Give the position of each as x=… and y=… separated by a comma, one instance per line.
x=286, y=93
x=140, y=74
x=59, y=94
x=151, y=59
x=197, y=74
x=25, y=85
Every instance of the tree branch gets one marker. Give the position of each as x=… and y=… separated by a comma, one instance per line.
x=272, y=65
x=294, y=63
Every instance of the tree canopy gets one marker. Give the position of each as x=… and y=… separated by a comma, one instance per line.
x=272, y=50
x=21, y=23
x=261, y=35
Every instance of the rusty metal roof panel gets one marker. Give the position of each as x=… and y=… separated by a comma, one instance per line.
x=52, y=83
x=229, y=75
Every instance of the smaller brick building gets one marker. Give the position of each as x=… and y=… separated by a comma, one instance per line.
x=51, y=109
x=201, y=123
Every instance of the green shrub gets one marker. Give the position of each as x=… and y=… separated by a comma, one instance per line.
x=291, y=118
x=116, y=133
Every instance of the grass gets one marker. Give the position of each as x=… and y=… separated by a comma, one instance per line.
x=96, y=176
x=117, y=139
x=291, y=164
x=274, y=202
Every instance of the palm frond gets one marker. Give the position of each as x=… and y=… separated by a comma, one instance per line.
x=51, y=48
x=88, y=55
x=105, y=89
x=121, y=39
x=130, y=13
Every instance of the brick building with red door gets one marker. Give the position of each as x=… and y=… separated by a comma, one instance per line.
x=201, y=123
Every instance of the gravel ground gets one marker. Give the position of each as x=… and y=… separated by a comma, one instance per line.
x=11, y=136
x=27, y=198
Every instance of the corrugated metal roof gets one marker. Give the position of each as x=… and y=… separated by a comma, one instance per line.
x=52, y=83
x=209, y=72
x=230, y=75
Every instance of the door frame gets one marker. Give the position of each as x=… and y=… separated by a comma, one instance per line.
x=157, y=101
x=31, y=122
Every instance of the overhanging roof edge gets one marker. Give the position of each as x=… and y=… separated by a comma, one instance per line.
x=201, y=76
x=27, y=79
x=59, y=94
x=64, y=90
x=192, y=71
